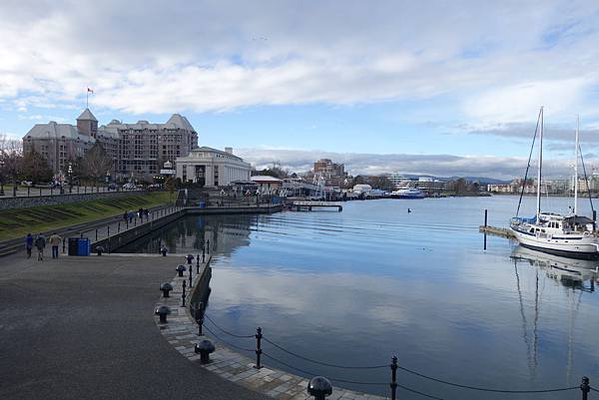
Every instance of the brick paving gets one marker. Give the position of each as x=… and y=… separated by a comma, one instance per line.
x=181, y=332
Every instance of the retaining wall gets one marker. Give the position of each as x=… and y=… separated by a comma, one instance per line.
x=7, y=203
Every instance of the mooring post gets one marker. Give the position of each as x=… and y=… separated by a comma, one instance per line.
x=183, y=295
x=585, y=388
x=486, y=212
x=393, y=377
x=258, y=347
x=485, y=232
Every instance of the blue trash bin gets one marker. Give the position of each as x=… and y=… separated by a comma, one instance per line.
x=83, y=248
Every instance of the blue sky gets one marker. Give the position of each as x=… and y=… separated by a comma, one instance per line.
x=288, y=81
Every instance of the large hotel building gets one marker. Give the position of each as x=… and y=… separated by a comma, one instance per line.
x=138, y=150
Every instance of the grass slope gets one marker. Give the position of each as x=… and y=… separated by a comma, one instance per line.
x=18, y=222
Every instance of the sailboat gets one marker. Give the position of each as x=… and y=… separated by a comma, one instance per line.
x=565, y=235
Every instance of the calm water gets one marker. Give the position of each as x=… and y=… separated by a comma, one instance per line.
x=358, y=286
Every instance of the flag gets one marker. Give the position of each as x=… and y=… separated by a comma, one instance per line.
x=89, y=90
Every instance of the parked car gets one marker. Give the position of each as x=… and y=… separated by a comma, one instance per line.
x=129, y=186
x=154, y=186
x=112, y=186
x=26, y=183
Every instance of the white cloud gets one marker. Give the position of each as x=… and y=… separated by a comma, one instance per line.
x=162, y=57
x=438, y=165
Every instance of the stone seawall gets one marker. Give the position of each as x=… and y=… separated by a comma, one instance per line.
x=7, y=203
x=114, y=242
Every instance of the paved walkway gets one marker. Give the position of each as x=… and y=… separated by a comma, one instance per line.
x=78, y=328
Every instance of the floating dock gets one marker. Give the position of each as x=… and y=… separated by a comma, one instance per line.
x=309, y=205
x=493, y=230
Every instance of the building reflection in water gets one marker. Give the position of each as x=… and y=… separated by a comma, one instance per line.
x=191, y=234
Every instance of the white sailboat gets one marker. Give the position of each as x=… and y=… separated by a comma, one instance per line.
x=566, y=235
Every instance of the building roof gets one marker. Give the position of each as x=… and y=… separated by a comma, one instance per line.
x=87, y=115
x=52, y=130
x=265, y=178
x=179, y=121
x=174, y=122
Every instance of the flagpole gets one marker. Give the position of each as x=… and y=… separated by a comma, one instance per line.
x=87, y=98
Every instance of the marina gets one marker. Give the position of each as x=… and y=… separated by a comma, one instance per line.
x=388, y=279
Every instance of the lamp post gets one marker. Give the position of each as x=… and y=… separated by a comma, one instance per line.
x=1, y=177
x=70, y=172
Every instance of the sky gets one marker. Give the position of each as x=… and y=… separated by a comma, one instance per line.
x=417, y=87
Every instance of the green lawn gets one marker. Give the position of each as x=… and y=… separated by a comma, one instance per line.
x=18, y=222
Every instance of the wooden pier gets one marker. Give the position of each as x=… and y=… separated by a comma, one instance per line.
x=492, y=230
x=309, y=205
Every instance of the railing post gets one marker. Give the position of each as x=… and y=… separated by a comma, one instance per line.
x=393, y=377
x=108, y=231
x=96, y=234
x=183, y=295
x=585, y=388
x=118, y=228
x=258, y=347
x=28, y=190
x=64, y=245
x=40, y=192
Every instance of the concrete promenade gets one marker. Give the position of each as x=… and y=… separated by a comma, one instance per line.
x=83, y=328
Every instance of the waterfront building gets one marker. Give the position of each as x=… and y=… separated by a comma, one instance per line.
x=211, y=167
x=267, y=184
x=397, y=180
x=137, y=150
x=334, y=174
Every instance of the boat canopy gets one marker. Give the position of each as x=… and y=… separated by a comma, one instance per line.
x=578, y=220
x=524, y=220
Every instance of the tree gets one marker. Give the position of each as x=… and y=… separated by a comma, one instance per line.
x=96, y=163
x=11, y=160
x=36, y=167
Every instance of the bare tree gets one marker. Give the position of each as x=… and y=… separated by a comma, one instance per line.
x=96, y=163
x=11, y=160
x=36, y=167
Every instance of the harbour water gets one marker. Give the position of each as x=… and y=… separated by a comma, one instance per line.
x=357, y=287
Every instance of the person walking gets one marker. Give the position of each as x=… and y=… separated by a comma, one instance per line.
x=40, y=245
x=29, y=244
x=55, y=241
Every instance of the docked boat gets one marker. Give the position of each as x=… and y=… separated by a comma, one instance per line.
x=566, y=235
x=408, y=193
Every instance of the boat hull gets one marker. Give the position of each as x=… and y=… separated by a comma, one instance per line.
x=585, y=248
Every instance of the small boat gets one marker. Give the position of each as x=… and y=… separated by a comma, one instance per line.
x=566, y=235
x=408, y=193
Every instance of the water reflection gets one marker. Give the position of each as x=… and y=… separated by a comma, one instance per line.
x=575, y=275
x=191, y=235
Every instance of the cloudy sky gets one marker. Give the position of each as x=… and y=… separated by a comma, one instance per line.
x=439, y=87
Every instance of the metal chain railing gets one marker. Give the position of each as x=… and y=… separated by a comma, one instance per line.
x=585, y=387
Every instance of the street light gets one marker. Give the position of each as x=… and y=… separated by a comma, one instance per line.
x=2, y=178
x=70, y=172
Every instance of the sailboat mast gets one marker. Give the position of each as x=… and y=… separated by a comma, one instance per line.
x=539, y=169
x=576, y=168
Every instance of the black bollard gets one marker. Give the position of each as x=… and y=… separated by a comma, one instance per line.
x=320, y=387
x=204, y=348
x=96, y=234
x=393, y=377
x=118, y=228
x=208, y=246
x=162, y=311
x=183, y=295
x=190, y=276
x=585, y=388
x=166, y=287
x=203, y=255
x=258, y=347
x=198, y=264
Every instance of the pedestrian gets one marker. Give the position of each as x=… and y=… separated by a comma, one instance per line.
x=40, y=245
x=29, y=244
x=140, y=213
x=55, y=241
x=147, y=212
x=125, y=216
x=130, y=217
